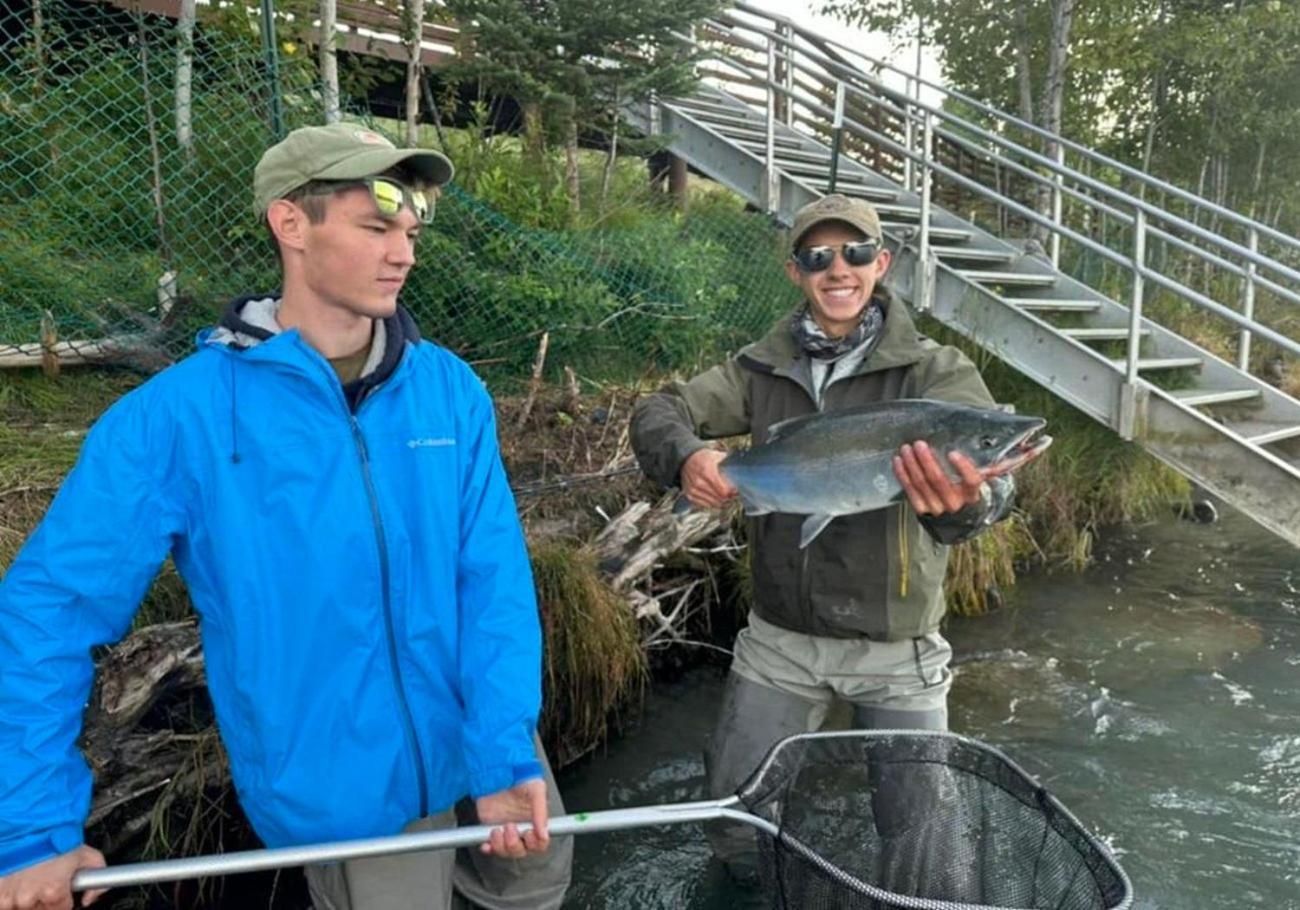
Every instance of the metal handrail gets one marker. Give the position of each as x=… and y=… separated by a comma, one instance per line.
x=796, y=91
x=1083, y=150
x=1051, y=165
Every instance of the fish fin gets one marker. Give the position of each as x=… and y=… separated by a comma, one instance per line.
x=752, y=508
x=812, y=526
x=784, y=427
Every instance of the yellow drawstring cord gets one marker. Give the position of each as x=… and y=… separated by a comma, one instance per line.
x=903, y=557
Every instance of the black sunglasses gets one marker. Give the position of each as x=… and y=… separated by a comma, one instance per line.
x=819, y=258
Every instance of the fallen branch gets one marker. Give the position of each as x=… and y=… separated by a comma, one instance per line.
x=535, y=384
x=643, y=535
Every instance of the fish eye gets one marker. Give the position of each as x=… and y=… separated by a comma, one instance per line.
x=988, y=442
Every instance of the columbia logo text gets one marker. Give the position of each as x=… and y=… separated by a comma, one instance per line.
x=430, y=442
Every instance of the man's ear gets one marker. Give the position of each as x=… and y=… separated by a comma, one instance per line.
x=792, y=272
x=881, y=263
x=288, y=224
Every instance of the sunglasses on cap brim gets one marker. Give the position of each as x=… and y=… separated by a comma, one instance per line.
x=389, y=196
x=811, y=259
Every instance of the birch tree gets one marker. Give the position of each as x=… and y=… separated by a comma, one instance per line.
x=185, y=77
x=329, y=63
x=413, y=21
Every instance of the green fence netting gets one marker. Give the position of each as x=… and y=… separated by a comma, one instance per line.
x=121, y=236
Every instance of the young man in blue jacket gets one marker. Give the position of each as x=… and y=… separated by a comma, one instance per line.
x=330, y=488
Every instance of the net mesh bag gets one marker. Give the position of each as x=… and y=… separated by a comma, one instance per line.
x=920, y=820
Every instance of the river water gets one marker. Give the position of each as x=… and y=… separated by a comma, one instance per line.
x=1156, y=694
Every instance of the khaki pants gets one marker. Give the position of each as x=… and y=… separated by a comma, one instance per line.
x=783, y=683
x=446, y=879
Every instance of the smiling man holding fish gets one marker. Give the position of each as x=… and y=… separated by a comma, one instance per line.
x=851, y=412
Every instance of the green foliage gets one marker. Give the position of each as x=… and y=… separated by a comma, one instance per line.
x=1209, y=91
x=576, y=60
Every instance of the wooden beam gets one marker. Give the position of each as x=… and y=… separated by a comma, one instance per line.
x=387, y=44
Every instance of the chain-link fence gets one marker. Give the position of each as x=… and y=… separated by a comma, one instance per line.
x=126, y=221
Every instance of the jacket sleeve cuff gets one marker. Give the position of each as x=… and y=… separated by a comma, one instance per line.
x=502, y=777
x=36, y=849
x=684, y=449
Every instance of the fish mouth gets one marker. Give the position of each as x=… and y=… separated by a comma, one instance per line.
x=1022, y=448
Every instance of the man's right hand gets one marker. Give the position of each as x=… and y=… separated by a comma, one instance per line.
x=48, y=885
x=702, y=482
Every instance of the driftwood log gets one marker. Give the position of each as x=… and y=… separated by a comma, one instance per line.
x=150, y=748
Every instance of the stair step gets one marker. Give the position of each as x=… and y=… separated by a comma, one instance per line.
x=1008, y=279
x=1118, y=334
x=873, y=194
x=810, y=156
x=972, y=253
x=1276, y=435
x=939, y=234
x=739, y=117
x=1202, y=397
x=735, y=132
x=1160, y=363
x=843, y=182
x=899, y=210
x=697, y=102
x=1050, y=305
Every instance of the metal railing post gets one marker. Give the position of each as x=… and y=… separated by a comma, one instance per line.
x=924, y=298
x=272, y=58
x=1248, y=306
x=1129, y=394
x=771, y=188
x=1058, y=179
x=786, y=32
x=837, y=135
x=909, y=138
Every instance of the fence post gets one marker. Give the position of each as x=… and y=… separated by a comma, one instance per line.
x=1248, y=305
x=1129, y=393
x=837, y=136
x=272, y=55
x=924, y=298
x=1058, y=180
x=771, y=186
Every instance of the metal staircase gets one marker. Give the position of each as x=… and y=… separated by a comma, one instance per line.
x=786, y=115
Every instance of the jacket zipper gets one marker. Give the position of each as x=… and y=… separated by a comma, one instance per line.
x=408, y=720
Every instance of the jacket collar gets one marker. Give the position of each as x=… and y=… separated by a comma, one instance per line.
x=777, y=352
x=249, y=322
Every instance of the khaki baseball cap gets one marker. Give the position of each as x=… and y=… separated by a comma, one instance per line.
x=836, y=207
x=339, y=151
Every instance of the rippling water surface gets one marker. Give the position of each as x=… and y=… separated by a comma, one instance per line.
x=1157, y=695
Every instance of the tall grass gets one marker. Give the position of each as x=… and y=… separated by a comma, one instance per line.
x=594, y=661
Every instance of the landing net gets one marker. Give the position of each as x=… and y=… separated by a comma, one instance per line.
x=921, y=821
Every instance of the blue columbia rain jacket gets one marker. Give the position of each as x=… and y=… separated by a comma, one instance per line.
x=365, y=598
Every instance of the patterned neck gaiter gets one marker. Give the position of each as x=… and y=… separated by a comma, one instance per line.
x=815, y=343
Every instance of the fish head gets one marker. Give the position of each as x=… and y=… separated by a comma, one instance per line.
x=1000, y=440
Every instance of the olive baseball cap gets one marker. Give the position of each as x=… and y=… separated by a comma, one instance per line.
x=339, y=151
x=836, y=207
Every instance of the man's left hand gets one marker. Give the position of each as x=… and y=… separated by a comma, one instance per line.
x=929, y=488
x=524, y=802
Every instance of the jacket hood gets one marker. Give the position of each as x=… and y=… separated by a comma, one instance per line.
x=250, y=320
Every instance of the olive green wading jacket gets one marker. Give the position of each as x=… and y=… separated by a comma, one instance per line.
x=875, y=574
